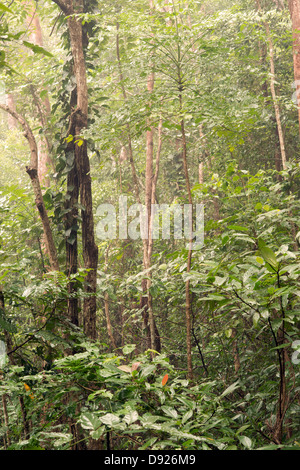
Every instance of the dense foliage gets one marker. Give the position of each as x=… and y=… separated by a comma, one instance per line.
x=212, y=101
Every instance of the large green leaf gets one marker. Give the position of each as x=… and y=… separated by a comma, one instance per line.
x=268, y=255
x=5, y=8
x=110, y=419
x=37, y=49
x=89, y=421
x=230, y=389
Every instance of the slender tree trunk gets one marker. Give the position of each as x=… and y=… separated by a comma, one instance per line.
x=148, y=198
x=275, y=100
x=202, y=156
x=130, y=151
x=294, y=7
x=106, y=308
x=273, y=90
x=236, y=356
x=153, y=339
x=6, y=420
x=150, y=189
x=4, y=396
x=26, y=422
x=71, y=220
x=32, y=171
x=188, y=312
x=11, y=121
x=43, y=106
x=188, y=297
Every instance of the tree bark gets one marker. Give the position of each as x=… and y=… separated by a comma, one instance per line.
x=71, y=227
x=189, y=258
x=10, y=102
x=32, y=171
x=106, y=308
x=275, y=99
x=273, y=90
x=149, y=324
x=79, y=121
x=150, y=189
x=4, y=396
x=188, y=307
x=294, y=7
x=43, y=105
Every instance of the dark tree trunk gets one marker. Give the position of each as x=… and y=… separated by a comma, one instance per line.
x=78, y=122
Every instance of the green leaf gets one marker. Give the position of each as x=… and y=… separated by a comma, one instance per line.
x=149, y=443
x=213, y=297
x=170, y=411
x=98, y=432
x=187, y=416
x=100, y=393
x=69, y=139
x=60, y=438
x=131, y=417
x=228, y=333
x=245, y=441
x=79, y=142
x=282, y=346
x=37, y=49
x=238, y=227
x=268, y=255
x=89, y=421
x=255, y=318
x=230, y=389
x=128, y=348
x=110, y=419
x=5, y=325
x=148, y=370
x=5, y=8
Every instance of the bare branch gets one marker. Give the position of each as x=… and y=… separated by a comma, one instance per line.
x=27, y=132
x=32, y=171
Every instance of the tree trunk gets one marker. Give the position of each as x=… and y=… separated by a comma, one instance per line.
x=273, y=90
x=11, y=121
x=8, y=347
x=188, y=316
x=71, y=227
x=131, y=160
x=275, y=100
x=294, y=7
x=149, y=324
x=43, y=106
x=32, y=171
x=150, y=188
x=79, y=121
x=148, y=197
x=106, y=308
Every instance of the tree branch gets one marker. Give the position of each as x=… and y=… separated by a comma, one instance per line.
x=64, y=6
x=32, y=171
